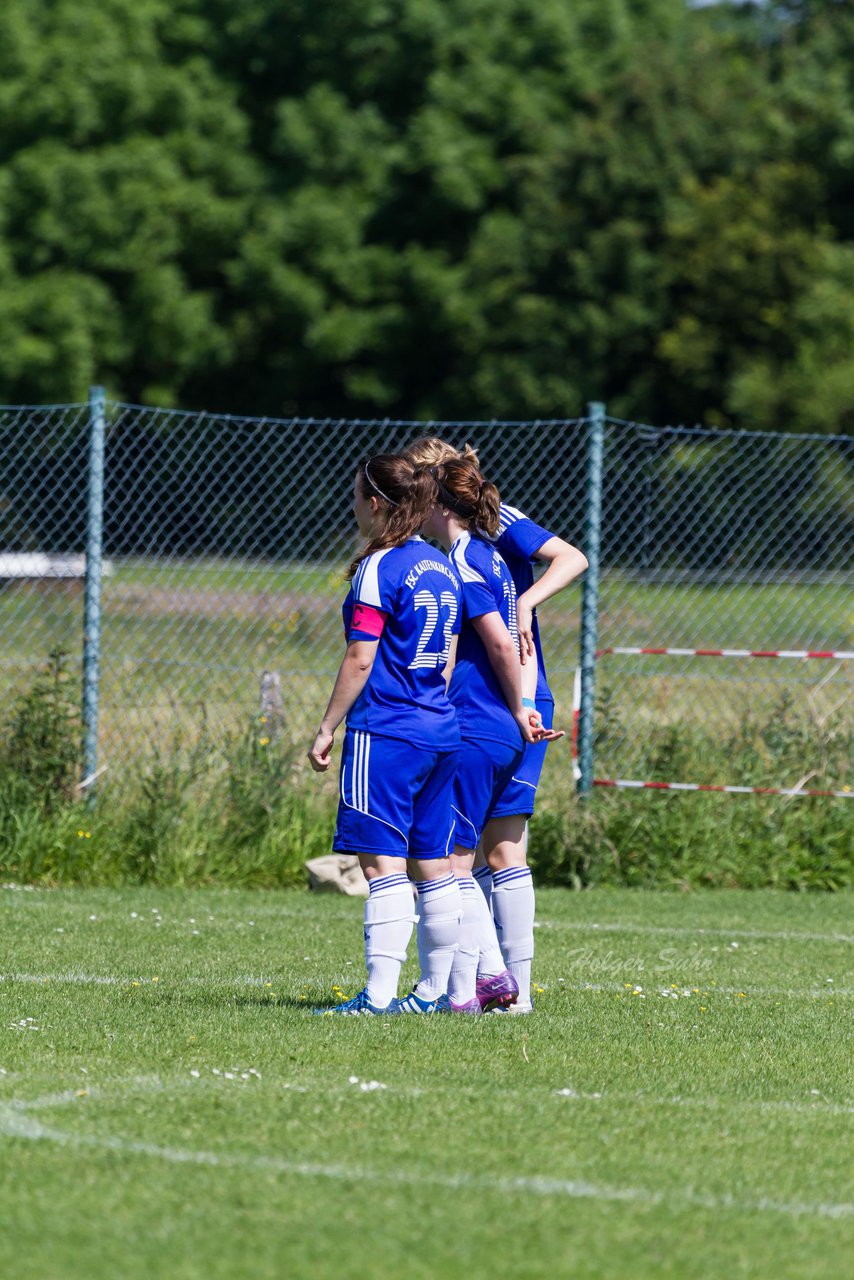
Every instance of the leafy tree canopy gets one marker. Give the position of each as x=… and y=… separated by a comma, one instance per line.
x=431, y=207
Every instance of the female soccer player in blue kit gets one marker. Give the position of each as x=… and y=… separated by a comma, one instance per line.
x=401, y=746
x=485, y=688
x=504, y=875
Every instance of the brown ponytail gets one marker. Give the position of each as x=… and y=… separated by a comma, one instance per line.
x=405, y=494
x=489, y=509
x=474, y=501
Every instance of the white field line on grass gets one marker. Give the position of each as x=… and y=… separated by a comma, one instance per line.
x=758, y=935
x=711, y=989
x=15, y=1122
x=141, y=1084
x=246, y=980
x=52, y=1099
x=816, y=1106
x=819, y=1106
x=290, y=912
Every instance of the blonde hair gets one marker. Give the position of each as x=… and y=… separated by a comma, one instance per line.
x=429, y=451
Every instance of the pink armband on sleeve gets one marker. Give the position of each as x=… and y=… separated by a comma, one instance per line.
x=367, y=623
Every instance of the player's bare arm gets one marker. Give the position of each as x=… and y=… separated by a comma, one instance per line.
x=504, y=660
x=452, y=660
x=564, y=563
x=353, y=675
x=530, y=672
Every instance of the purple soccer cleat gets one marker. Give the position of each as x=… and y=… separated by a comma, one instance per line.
x=470, y=1006
x=498, y=991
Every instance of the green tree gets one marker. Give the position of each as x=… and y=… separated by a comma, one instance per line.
x=124, y=178
x=430, y=207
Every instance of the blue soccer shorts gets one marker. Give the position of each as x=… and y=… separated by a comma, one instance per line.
x=518, y=796
x=485, y=771
x=395, y=799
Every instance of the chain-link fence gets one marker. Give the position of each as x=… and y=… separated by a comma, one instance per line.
x=724, y=540
x=225, y=541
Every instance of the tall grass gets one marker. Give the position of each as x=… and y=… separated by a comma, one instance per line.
x=243, y=809
x=688, y=840
x=692, y=841
x=234, y=810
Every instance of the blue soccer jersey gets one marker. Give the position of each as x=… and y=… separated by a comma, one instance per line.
x=419, y=594
x=518, y=540
x=474, y=690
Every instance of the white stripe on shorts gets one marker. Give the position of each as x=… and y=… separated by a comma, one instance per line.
x=366, y=771
x=359, y=788
x=353, y=766
x=361, y=762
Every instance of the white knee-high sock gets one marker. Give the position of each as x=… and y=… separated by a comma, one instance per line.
x=513, y=908
x=388, y=927
x=440, y=913
x=461, y=984
x=483, y=878
x=490, y=960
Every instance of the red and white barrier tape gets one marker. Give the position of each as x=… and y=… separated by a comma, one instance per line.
x=576, y=716
x=842, y=655
x=845, y=794
x=707, y=786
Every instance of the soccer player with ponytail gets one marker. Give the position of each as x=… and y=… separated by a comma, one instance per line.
x=401, y=747
x=486, y=689
x=503, y=873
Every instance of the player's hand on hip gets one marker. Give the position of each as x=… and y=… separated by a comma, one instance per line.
x=320, y=754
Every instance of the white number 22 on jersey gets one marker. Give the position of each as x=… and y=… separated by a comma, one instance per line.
x=427, y=601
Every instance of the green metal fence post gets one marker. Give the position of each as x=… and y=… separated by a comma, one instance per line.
x=92, y=598
x=590, y=595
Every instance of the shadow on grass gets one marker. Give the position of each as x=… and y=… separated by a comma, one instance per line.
x=314, y=998
x=311, y=1000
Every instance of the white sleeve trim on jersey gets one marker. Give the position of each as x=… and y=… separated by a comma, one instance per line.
x=366, y=584
x=508, y=515
x=466, y=571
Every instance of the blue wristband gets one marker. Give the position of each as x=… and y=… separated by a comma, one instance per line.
x=529, y=702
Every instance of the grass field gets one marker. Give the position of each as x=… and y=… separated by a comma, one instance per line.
x=678, y=1105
